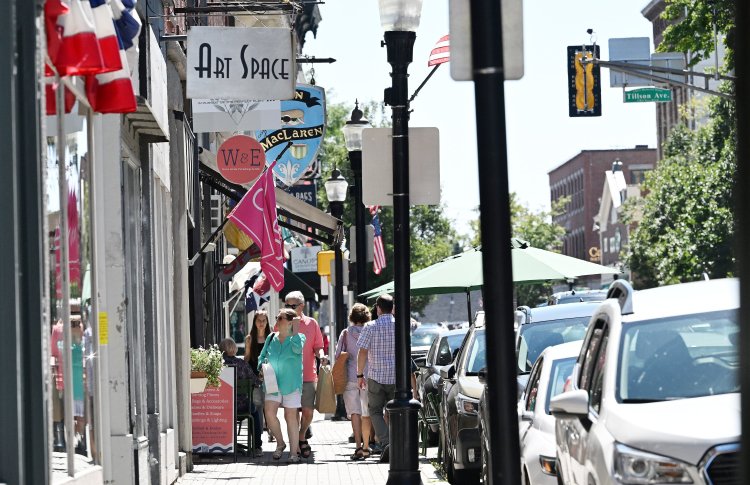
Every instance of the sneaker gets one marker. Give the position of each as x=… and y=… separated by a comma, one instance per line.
x=384, y=455
x=375, y=448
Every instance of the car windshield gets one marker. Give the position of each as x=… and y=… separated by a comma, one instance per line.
x=424, y=338
x=477, y=356
x=561, y=370
x=679, y=357
x=535, y=337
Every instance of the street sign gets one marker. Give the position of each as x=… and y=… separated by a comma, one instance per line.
x=647, y=95
x=369, y=236
x=630, y=50
x=377, y=166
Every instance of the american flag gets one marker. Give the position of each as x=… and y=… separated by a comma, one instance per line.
x=378, y=260
x=441, y=53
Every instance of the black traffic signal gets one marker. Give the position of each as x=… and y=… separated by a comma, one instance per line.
x=584, y=81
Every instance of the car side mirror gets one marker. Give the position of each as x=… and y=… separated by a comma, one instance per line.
x=570, y=404
x=482, y=375
x=527, y=416
x=448, y=372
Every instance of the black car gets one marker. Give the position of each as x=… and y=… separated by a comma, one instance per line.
x=459, y=407
x=440, y=355
x=421, y=340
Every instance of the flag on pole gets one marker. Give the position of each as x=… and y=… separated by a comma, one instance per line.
x=104, y=26
x=378, y=259
x=256, y=215
x=441, y=53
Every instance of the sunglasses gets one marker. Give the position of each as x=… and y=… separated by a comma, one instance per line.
x=292, y=305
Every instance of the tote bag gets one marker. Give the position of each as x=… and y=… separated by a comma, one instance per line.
x=325, y=397
x=269, y=379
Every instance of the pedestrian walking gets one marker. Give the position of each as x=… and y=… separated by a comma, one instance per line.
x=309, y=327
x=254, y=341
x=355, y=399
x=283, y=352
x=376, y=344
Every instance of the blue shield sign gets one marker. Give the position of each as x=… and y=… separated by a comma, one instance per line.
x=302, y=123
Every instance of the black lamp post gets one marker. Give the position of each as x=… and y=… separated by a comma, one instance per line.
x=400, y=18
x=353, y=137
x=336, y=192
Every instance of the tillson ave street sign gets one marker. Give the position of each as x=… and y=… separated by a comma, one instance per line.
x=646, y=95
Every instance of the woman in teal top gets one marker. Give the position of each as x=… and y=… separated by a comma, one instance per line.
x=283, y=351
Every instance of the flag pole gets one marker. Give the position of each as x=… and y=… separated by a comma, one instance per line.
x=423, y=83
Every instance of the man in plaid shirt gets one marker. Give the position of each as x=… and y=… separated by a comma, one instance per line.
x=376, y=348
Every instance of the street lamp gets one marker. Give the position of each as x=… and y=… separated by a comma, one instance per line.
x=353, y=138
x=336, y=187
x=400, y=19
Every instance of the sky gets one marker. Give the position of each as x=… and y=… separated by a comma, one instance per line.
x=540, y=134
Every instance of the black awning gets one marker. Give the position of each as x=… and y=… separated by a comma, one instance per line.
x=292, y=282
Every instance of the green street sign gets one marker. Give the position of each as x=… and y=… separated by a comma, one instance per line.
x=647, y=95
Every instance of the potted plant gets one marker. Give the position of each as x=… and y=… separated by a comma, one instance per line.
x=205, y=367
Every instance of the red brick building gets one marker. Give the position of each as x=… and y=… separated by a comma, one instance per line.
x=582, y=178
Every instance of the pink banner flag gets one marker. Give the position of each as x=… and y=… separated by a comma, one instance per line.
x=256, y=216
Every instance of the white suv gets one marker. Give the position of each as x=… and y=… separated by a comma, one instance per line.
x=654, y=395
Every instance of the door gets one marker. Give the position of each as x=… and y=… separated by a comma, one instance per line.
x=590, y=379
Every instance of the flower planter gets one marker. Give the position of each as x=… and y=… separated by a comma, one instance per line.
x=198, y=381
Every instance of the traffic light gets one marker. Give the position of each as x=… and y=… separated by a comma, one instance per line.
x=584, y=81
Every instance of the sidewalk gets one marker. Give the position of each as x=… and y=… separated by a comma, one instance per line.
x=329, y=463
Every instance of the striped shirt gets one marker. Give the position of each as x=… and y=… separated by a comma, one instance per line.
x=379, y=340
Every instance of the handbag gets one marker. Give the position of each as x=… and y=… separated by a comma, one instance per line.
x=339, y=370
x=339, y=374
x=269, y=378
x=325, y=397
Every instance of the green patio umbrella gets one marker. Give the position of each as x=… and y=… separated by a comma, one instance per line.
x=462, y=273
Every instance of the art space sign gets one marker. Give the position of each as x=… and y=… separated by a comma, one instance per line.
x=240, y=63
x=302, y=123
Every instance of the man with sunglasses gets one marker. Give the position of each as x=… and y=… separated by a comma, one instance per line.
x=308, y=326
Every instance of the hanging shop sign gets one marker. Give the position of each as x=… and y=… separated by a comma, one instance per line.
x=212, y=115
x=240, y=63
x=305, y=259
x=305, y=192
x=213, y=416
x=302, y=123
x=240, y=159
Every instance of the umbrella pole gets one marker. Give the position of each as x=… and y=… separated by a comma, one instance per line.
x=468, y=304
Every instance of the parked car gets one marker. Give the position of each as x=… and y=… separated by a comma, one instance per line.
x=421, y=340
x=459, y=406
x=576, y=296
x=654, y=395
x=440, y=355
x=536, y=426
x=539, y=328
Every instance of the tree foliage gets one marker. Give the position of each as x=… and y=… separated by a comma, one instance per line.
x=687, y=220
x=691, y=28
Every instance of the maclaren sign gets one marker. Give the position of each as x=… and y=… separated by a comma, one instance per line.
x=240, y=63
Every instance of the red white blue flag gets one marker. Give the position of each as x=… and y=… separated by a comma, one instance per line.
x=378, y=259
x=256, y=216
x=441, y=53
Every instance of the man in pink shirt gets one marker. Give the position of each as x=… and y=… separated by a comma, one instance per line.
x=313, y=347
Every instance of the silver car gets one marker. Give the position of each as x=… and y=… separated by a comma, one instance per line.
x=654, y=396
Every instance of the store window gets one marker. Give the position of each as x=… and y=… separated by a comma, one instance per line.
x=73, y=344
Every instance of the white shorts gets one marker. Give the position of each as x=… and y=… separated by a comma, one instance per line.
x=355, y=400
x=293, y=400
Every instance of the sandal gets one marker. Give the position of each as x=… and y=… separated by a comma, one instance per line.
x=365, y=453
x=279, y=450
x=304, y=449
x=293, y=458
x=358, y=454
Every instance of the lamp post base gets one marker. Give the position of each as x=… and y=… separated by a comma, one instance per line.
x=404, y=446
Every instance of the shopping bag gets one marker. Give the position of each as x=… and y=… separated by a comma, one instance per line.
x=269, y=379
x=339, y=373
x=325, y=397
